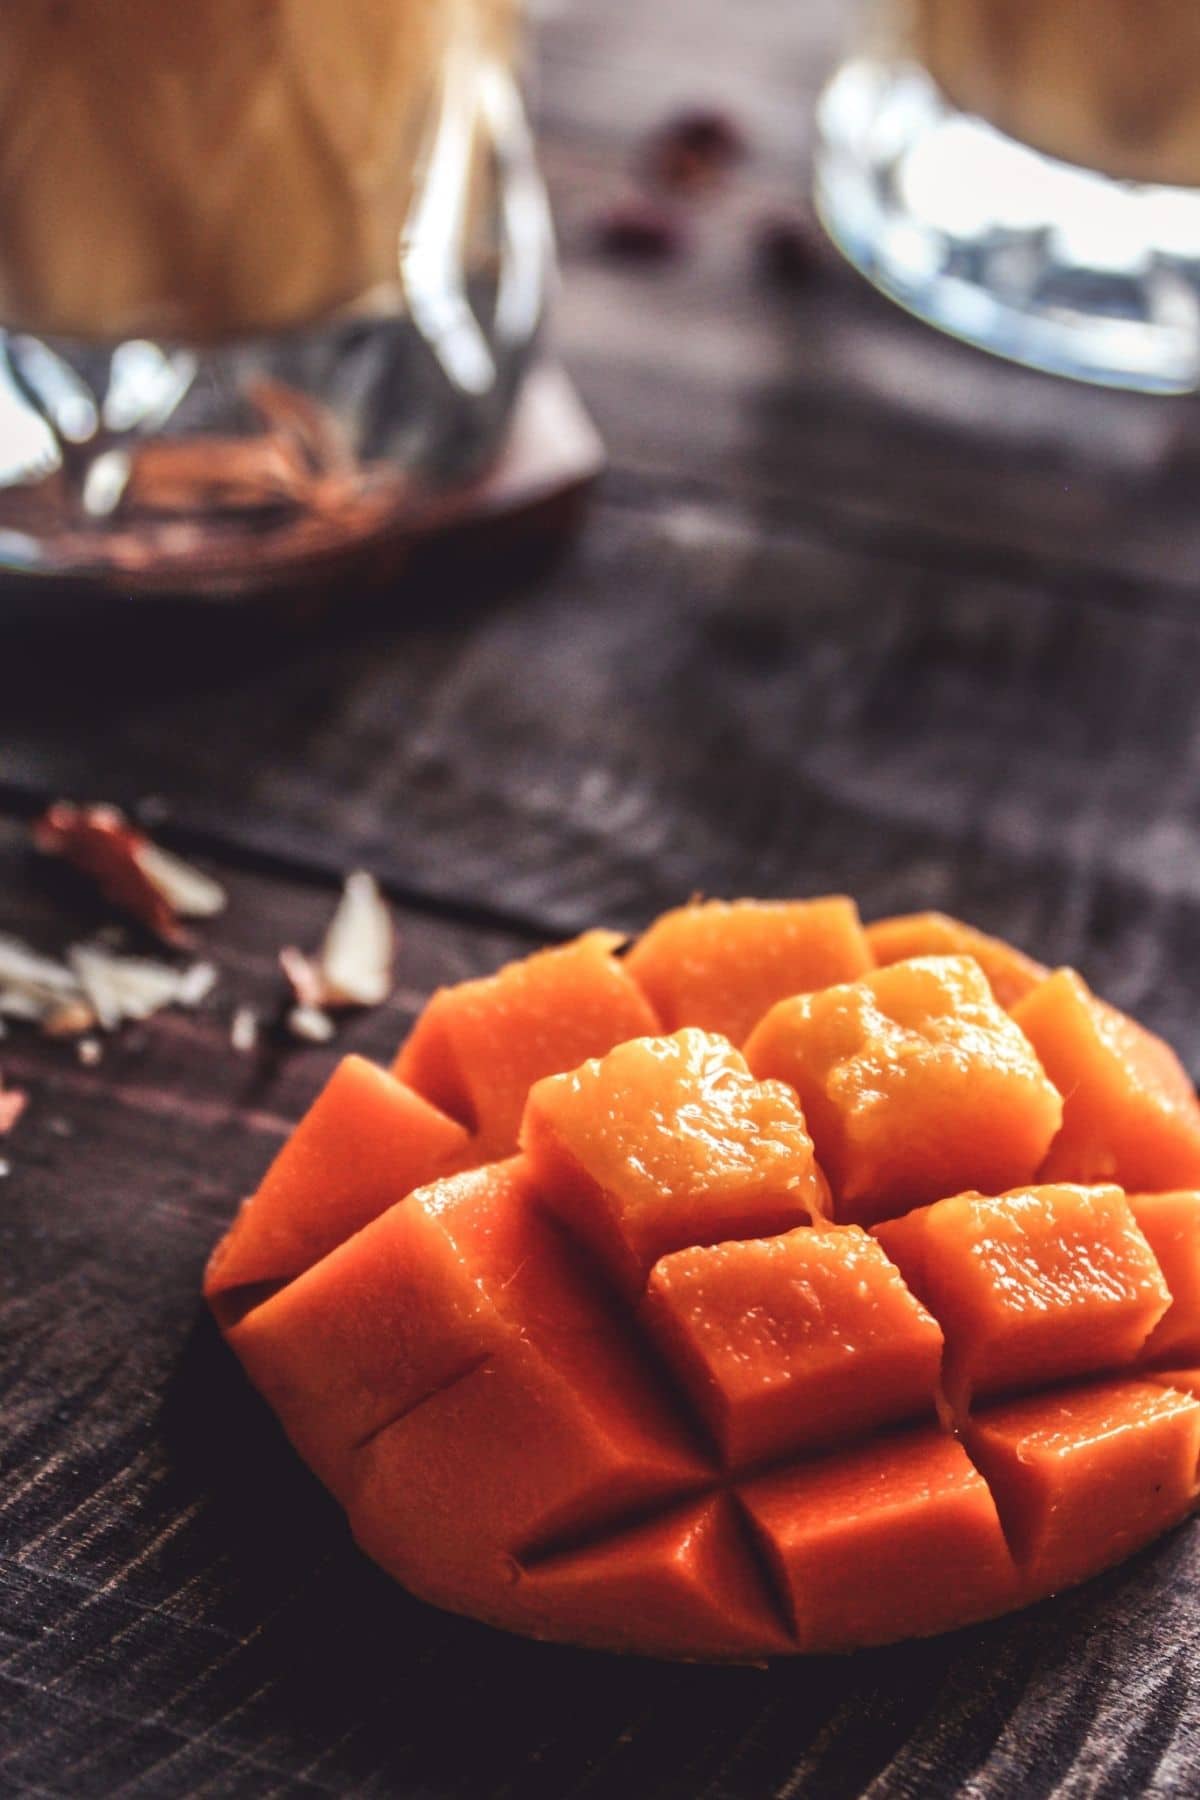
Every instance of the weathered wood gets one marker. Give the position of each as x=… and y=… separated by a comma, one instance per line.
x=181, y=1609
x=689, y=702
x=859, y=609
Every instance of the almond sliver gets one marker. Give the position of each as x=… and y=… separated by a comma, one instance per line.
x=356, y=957
x=187, y=891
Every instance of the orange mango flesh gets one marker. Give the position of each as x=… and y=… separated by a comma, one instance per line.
x=792, y=1342
x=914, y=1083
x=686, y=1579
x=1187, y=1381
x=371, y=1330
x=1083, y=1477
x=633, y=1389
x=461, y=1274
x=1030, y=1287
x=1010, y=973
x=1170, y=1224
x=667, y=1142
x=494, y=1468
x=899, y=1538
x=364, y=1143
x=1130, y=1112
x=478, y=1048
x=722, y=964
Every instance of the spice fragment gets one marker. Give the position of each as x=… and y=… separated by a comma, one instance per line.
x=640, y=230
x=354, y=964
x=136, y=875
x=13, y=1102
x=696, y=148
x=311, y=1024
x=94, y=986
x=243, y=1030
x=356, y=957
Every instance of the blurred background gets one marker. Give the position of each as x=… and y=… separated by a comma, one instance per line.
x=854, y=606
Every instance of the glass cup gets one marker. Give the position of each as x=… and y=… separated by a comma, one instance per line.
x=270, y=274
x=1026, y=174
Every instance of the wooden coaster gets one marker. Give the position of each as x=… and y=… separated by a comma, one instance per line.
x=523, y=503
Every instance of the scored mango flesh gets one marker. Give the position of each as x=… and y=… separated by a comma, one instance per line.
x=776, y=1286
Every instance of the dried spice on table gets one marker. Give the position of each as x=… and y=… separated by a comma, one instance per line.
x=139, y=877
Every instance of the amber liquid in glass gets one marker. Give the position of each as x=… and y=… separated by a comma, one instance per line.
x=1112, y=85
x=205, y=169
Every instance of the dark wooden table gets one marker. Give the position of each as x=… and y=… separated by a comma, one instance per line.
x=854, y=609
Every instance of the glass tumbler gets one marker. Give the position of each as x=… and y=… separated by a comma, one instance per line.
x=270, y=274
x=1026, y=174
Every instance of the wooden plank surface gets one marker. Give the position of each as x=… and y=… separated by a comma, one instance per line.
x=857, y=609
x=690, y=702
x=181, y=1610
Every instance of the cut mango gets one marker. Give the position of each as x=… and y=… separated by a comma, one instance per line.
x=667, y=1142
x=646, y=1385
x=1032, y=1286
x=478, y=1048
x=1131, y=1113
x=459, y=1272
x=899, y=1538
x=1010, y=973
x=1084, y=1477
x=914, y=1083
x=792, y=1342
x=683, y=1585
x=1170, y=1224
x=1186, y=1380
x=374, y=1328
x=493, y=1468
x=365, y=1142
x=721, y=965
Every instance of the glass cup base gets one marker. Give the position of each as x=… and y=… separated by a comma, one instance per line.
x=232, y=467
x=1033, y=259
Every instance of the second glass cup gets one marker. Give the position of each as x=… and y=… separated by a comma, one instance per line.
x=1026, y=174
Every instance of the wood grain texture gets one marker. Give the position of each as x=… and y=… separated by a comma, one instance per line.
x=858, y=609
x=181, y=1610
x=690, y=702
